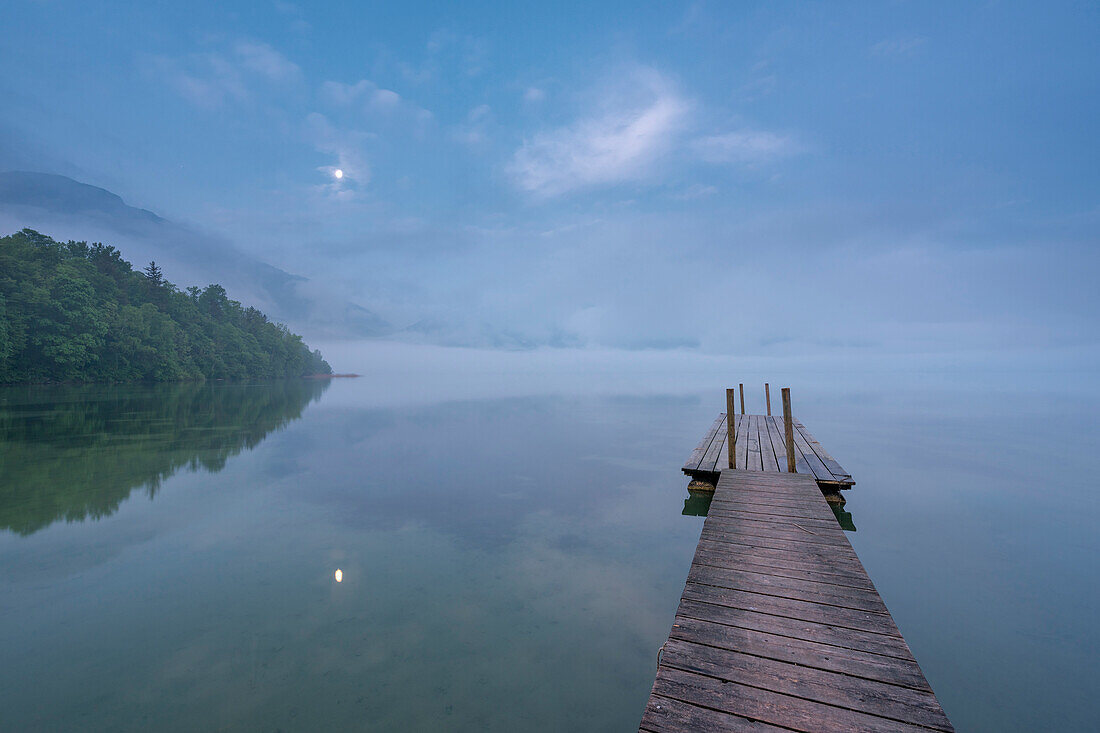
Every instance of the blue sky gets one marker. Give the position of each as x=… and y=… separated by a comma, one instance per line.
x=765, y=178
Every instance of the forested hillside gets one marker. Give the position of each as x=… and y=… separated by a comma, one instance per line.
x=75, y=311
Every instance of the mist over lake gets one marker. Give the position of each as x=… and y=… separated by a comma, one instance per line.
x=403, y=366
x=509, y=558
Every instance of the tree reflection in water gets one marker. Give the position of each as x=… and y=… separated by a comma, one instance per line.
x=74, y=452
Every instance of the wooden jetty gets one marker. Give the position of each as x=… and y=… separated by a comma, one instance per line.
x=779, y=627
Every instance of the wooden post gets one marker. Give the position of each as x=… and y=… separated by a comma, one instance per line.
x=731, y=429
x=768, y=397
x=788, y=428
x=742, y=388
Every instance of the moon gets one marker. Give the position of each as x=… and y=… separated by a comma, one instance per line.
x=338, y=174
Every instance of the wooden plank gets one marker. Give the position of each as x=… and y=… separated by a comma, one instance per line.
x=779, y=550
x=820, y=472
x=710, y=458
x=776, y=436
x=667, y=715
x=883, y=645
x=903, y=672
x=748, y=558
x=796, y=608
x=742, y=441
x=767, y=450
x=800, y=464
x=830, y=463
x=813, y=529
x=805, y=519
x=794, y=529
x=771, y=480
x=769, y=486
x=859, y=599
x=770, y=707
x=783, y=511
x=857, y=694
x=773, y=531
x=825, y=552
x=747, y=563
x=696, y=456
x=753, y=462
x=769, y=493
x=783, y=506
x=722, y=460
x=774, y=528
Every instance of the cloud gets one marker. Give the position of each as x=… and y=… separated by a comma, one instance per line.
x=214, y=78
x=475, y=129
x=743, y=147
x=533, y=94
x=206, y=80
x=349, y=148
x=448, y=51
x=695, y=191
x=363, y=91
x=266, y=61
x=635, y=125
x=293, y=13
x=906, y=46
x=355, y=114
x=371, y=99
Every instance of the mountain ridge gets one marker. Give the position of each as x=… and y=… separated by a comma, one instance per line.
x=66, y=208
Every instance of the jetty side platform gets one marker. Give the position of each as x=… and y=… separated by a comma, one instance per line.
x=761, y=447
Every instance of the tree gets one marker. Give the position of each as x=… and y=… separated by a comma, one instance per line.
x=154, y=274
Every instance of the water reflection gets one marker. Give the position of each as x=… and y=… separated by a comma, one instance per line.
x=843, y=518
x=79, y=451
x=697, y=504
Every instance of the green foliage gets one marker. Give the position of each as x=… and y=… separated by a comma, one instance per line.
x=78, y=312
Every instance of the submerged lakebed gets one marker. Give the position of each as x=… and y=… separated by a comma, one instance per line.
x=169, y=555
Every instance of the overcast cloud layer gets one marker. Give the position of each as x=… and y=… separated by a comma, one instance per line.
x=765, y=180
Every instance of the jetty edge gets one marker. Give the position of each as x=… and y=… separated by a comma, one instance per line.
x=779, y=626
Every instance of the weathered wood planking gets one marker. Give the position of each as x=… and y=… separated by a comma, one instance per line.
x=767, y=448
x=743, y=441
x=779, y=626
x=778, y=446
x=760, y=447
x=709, y=463
x=696, y=456
x=801, y=465
x=835, y=468
x=815, y=464
x=752, y=444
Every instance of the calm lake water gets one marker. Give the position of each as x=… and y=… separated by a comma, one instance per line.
x=168, y=553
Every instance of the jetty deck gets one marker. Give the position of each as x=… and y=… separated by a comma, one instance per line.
x=779, y=627
x=760, y=447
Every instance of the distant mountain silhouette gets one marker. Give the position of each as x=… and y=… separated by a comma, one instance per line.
x=67, y=209
x=61, y=194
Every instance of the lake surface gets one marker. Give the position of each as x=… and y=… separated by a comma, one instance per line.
x=509, y=562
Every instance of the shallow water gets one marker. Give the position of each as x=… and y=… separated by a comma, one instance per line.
x=168, y=553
